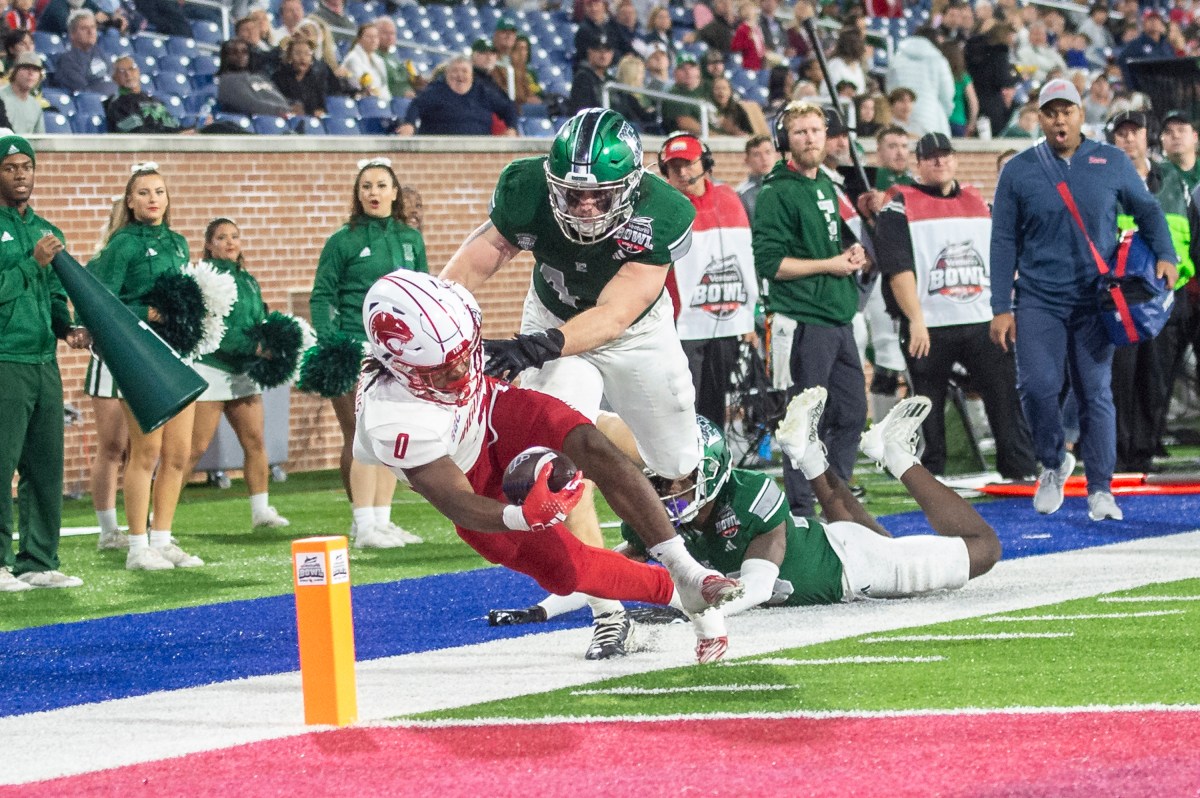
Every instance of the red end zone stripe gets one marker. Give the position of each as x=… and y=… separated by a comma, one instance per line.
x=1142, y=753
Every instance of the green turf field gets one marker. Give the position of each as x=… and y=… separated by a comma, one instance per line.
x=1103, y=661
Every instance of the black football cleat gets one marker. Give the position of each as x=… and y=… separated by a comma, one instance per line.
x=612, y=632
x=534, y=614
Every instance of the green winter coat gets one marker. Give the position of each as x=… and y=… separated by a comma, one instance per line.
x=136, y=256
x=798, y=217
x=236, y=352
x=1169, y=186
x=353, y=259
x=33, y=304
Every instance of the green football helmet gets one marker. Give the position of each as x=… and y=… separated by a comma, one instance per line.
x=593, y=172
x=684, y=498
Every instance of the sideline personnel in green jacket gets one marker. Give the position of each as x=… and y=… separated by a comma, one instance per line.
x=33, y=314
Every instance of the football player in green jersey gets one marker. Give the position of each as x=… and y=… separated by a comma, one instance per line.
x=737, y=521
x=597, y=321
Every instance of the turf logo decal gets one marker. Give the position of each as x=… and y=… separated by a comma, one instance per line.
x=310, y=569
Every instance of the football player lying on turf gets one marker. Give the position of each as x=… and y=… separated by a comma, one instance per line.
x=741, y=525
x=427, y=412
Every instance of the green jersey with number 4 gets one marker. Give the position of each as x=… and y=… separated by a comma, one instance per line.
x=751, y=504
x=568, y=277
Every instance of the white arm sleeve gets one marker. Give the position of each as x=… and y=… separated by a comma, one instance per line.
x=758, y=577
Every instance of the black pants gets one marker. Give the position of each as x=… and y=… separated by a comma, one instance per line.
x=1142, y=378
x=711, y=362
x=828, y=356
x=993, y=374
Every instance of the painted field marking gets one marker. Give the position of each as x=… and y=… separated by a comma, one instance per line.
x=1132, y=599
x=700, y=688
x=784, y=661
x=1081, y=616
x=943, y=638
x=1039, y=536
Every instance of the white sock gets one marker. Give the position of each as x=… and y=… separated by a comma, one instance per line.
x=814, y=463
x=561, y=605
x=601, y=606
x=258, y=505
x=364, y=518
x=897, y=459
x=138, y=542
x=383, y=515
x=107, y=520
x=160, y=538
x=674, y=556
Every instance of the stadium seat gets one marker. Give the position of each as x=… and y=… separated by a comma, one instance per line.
x=342, y=127
x=172, y=83
x=374, y=108
x=48, y=43
x=60, y=100
x=148, y=64
x=202, y=96
x=90, y=103
x=56, y=123
x=206, y=32
x=168, y=62
x=241, y=120
x=174, y=105
x=88, y=124
x=182, y=45
x=310, y=125
x=540, y=128
x=400, y=106
x=340, y=107
x=270, y=125
x=535, y=111
x=205, y=65
x=149, y=45
x=377, y=126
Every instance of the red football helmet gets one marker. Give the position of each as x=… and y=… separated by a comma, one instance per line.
x=427, y=332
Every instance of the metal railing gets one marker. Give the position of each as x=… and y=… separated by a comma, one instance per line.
x=706, y=108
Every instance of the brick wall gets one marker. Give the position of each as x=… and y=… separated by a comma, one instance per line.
x=288, y=196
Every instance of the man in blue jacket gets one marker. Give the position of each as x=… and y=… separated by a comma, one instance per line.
x=1055, y=299
x=1151, y=43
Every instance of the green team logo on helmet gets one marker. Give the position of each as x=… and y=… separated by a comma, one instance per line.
x=684, y=498
x=593, y=172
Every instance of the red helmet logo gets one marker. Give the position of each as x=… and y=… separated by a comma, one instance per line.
x=390, y=331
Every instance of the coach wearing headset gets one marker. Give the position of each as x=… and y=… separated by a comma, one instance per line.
x=714, y=286
x=808, y=257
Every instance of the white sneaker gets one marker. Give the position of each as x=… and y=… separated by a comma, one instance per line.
x=375, y=537
x=1049, y=494
x=178, y=557
x=49, y=579
x=1102, y=505
x=271, y=518
x=112, y=541
x=10, y=583
x=893, y=442
x=147, y=559
x=403, y=535
x=797, y=433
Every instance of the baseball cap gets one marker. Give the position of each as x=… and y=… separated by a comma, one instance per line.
x=1153, y=12
x=687, y=147
x=1176, y=115
x=506, y=24
x=1012, y=78
x=713, y=56
x=28, y=59
x=1059, y=89
x=932, y=144
x=483, y=46
x=590, y=40
x=834, y=126
x=684, y=59
x=1135, y=118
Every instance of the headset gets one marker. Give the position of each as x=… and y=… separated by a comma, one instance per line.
x=1152, y=128
x=779, y=133
x=707, y=162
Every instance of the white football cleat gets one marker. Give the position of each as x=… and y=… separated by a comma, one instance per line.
x=704, y=588
x=712, y=640
x=893, y=442
x=797, y=433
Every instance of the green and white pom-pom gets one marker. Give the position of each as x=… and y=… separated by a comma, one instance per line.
x=280, y=341
x=180, y=304
x=330, y=368
x=220, y=295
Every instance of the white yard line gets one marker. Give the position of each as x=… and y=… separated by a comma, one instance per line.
x=1080, y=617
x=788, y=663
x=945, y=638
x=700, y=688
x=96, y=736
x=1144, y=599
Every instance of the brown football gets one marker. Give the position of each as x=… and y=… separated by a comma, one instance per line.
x=523, y=470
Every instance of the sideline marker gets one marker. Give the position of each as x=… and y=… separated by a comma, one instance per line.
x=325, y=629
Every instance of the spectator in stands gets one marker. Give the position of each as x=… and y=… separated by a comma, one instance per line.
x=780, y=83
x=748, y=38
x=20, y=16
x=21, y=105
x=301, y=79
x=900, y=102
x=592, y=73
x=658, y=32
x=636, y=108
x=957, y=23
x=593, y=25
x=919, y=65
x=1152, y=43
x=289, y=15
x=165, y=17
x=988, y=57
x=373, y=242
x=1095, y=26
x=658, y=69
x=414, y=207
x=240, y=91
x=712, y=66
x=760, y=157
x=684, y=116
x=264, y=58
x=15, y=42
x=798, y=44
x=774, y=37
x=457, y=106
x=231, y=391
x=718, y=34
x=732, y=118
x=399, y=78
x=1096, y=103
x=847, y=61
x=622, y=29
x=966, y=102
x=504, y=37
x=366, y=69
x=867, y=117
x=811, y=71
x=132, y=110
x=1039, y=54
x=487, y=73
x=332, y=14
x=1025, y=126
x=83, y=66
x=318, y=33
x=53, y=17
x=526, y=87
